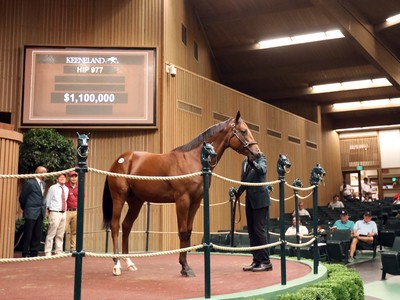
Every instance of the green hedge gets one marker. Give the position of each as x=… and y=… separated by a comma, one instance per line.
x=342, y=283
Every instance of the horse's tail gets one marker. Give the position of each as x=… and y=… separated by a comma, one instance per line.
x=107, y=205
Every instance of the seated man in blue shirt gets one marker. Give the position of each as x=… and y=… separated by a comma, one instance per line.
x=364, y=230
x=343, y=223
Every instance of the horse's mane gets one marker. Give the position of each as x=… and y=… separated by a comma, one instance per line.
x=202, y=137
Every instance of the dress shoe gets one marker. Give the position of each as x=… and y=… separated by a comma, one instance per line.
x=263, y=267
x=250, y=267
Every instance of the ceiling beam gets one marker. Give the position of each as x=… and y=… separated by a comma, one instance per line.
x=316, y=66
x=229, y=16
x=385, y=25
x=362, y=34
x=365, y=118
x=306, y=94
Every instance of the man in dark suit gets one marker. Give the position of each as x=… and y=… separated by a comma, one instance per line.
x=257, y=204
x=34, y=207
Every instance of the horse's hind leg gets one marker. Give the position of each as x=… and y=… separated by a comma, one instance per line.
x=118, y=203
x=131, y=215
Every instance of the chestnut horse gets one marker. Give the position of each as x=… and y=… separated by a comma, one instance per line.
x=185, y=193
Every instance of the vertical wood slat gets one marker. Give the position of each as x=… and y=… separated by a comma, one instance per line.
x=9, y=150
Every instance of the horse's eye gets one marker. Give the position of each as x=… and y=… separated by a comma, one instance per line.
x=244, y=132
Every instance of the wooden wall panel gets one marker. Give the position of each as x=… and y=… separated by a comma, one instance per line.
x=178, y=13
x=9, y=150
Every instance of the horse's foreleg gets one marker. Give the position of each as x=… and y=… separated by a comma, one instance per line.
x=133, y=212
x=182, y=210
x=184, y=238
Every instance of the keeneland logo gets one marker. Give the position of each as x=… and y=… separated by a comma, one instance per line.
x=91, y=60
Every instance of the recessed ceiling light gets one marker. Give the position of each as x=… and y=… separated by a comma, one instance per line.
x=350, y=85
x=378, y=102
x=346, y=105
x=393, y=19
x=300, y=39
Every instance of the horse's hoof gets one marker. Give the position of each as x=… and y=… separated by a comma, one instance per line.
x=188, y=273
x=117, y=271
x=132, y=267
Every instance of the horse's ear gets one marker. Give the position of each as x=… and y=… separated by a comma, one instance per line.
x=237, y=117
x=77, y=133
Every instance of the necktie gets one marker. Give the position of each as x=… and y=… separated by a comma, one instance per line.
x=64, y=204
x=42, y=187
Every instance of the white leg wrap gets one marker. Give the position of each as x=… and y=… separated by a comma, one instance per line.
x=117, y=268
x=130, y=265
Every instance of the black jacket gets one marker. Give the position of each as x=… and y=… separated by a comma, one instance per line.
x=257, y=196
x=31, y=200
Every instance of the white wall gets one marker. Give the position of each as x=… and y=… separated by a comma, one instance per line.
x=389, y=141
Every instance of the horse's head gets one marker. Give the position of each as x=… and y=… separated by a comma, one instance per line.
x=242, y=140
x=83, y=146
x=283, y=165
x=317, y=175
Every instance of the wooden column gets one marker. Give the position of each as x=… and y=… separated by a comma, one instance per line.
x=9, y=152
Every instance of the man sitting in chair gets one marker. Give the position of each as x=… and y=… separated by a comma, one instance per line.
x=292, y=229
x=343, y=223
x=364, y=231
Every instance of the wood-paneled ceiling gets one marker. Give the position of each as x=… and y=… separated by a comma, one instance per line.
x=283, y=76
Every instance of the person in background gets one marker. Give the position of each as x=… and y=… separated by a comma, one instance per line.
x=345, y=192
x=34, y=208
x=396, y=183
x=343, y=223
x=56, y=202
x=356, y=198
x=257, y=205
x=364, y=231
x=396, y=199
x=302, y=210
x=366, y=189
x=398, y=215
x=72, y=205
x=335, y=203
x=292, y=229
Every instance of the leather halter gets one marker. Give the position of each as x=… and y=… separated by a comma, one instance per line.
x=244, y=143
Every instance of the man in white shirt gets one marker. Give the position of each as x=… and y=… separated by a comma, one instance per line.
x=56, y=203
x=364, y=231
x=366, y=189
x=302, y=210
x=292, y=229
x=345, y=191
x=336, y=203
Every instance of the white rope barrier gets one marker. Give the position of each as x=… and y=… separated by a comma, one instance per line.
x=26, y=176
x=301, y=245
x=299, y=188
x=36, y=258
x=179, y=177
x=138, y=177
x=137, y=255
x=241, y=249
x=245, y=183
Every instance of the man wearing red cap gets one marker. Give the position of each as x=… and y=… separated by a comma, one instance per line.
x=72, y=205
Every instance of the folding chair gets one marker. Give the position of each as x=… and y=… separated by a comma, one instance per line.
x=391, y=260
x=337, y=248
